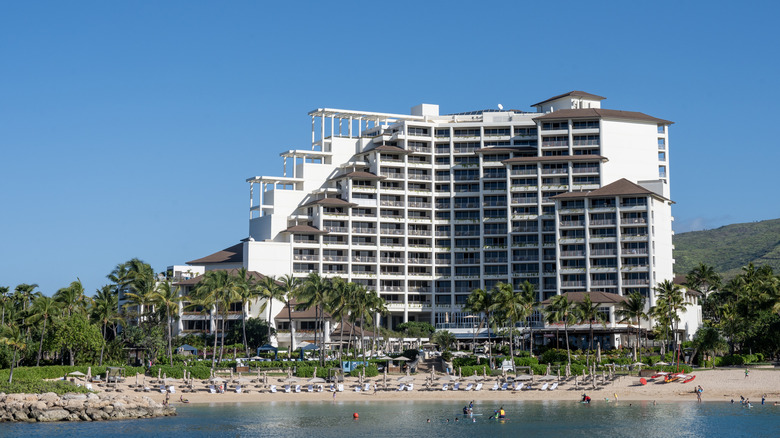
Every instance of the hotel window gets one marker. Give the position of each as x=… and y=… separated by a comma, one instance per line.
x=662, y=171
x=589, y=124
x=661, y=143
x=660, y=129
x=442, y=133
x=551, y=126
x=662, y=156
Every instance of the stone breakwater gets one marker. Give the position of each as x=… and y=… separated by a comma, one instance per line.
x=79, y=407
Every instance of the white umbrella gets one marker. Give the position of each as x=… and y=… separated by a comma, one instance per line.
x=316, y=380
x=77, y=374
x=662, y=363
x=405, y=379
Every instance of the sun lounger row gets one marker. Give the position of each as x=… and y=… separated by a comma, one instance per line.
x=456, y=387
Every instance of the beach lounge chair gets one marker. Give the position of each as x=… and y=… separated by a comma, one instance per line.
x=238, y=389
x=504, y=386
x=310, y=388
x=172, y=389
x=519, y=386
x=478, y=387
x=366, y=387
x=341, y=387
x=319, y=388
x=287, y=388
x=212, y=390
x=469, y=387
x=357, y=388
x=297, y=388
x=544, y=387
x=445, y=387
x=553, y=386
x=401, y=387
x=273, y=388
x=410, y=387
x=495, y=387
x=456, y=386
x=88, y=386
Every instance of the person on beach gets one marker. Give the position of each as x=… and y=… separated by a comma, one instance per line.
x=699, y=390
x=747, y=373
x=334, y=396
x=763, y=399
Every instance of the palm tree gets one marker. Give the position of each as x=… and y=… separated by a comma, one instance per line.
x=633, y=309
x=4, y=298
x=341, y=292
x=216, y=291
x=376, y=305
x=43, y=309
x=247, y=290
x=443, y=339
x=105, y=310
x=709, y=340
x=511, y=307
x=72, y=298
x=529, y=296
x=25, y=292
x=269, y=289
x=167, y=297
x=560, y=309
x=314, y=293
x=142, y=284
x=672, y=296
x=14, y=337
x=480, y=301
x=587, y=311
x=289, y=286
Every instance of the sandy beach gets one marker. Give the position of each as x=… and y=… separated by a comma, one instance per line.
x=718, y=385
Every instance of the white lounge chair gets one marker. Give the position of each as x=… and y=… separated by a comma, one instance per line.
x=162, y=389
x=172, y=389
x=88, y=386
x=553, y=386
x=504, y=386
x=401, y=387
x=273, y=388
x=456, y=386
x=310, y=388
x=519, y=386
x=544, y=387
x=332, y=388
x=366, y=387
x=410, y=387
x=297, y=388
x=469, y=387
x=478, y=387
x=357, y=388
x=212, y=389
x=341, y=387
x=495, y=387
x=319, y=388
x=287, y=388
x=445, y=387
x=238, y=389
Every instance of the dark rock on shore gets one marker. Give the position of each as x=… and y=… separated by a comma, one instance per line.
x=79, y=407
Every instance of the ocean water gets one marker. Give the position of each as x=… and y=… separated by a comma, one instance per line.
x=409, y=419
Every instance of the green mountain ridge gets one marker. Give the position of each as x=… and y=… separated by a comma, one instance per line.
x=728, y=248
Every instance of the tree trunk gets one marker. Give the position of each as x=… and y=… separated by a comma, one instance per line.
x=222, y=341
x=40, y=346
x=103, y=347
x=243, y=327
x=170, y=341
x=289, y=314
x=72, y=358
x=512, y=345
x=566, y=333
x=341, y=338
x=270, y=320
x=11, y=376
x=214, y=352
x=362, y=336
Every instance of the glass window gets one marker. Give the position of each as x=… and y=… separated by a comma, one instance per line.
x=662, y=171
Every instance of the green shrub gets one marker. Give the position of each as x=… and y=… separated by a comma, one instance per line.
x=553, y=355
x=308, y=372
x=371, y=371
x=469, y=370
x=33, y=386
x=526, y=361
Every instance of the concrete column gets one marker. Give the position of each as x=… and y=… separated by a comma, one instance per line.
x=312, y=130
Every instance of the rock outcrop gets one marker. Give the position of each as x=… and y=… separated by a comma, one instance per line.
x=79, y=407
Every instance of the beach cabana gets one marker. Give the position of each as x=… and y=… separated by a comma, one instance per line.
x=268, y=347
x=309, y=347
x=187, y=350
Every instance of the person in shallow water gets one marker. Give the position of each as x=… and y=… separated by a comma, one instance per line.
x=501, y=412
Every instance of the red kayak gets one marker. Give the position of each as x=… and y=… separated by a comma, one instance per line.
x=643, y=381
x=689, y=379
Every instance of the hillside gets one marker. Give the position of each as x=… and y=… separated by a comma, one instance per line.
x=729, y=248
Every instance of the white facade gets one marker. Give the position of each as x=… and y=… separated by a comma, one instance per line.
x=426, y=207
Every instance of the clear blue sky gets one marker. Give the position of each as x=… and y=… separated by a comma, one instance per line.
x=127, y=129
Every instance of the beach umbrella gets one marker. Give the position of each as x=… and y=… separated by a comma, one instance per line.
x=89, y=373
x=316, y=380
x=315, y=372
x=603, y=377
x=568, y=370
x=265, y=378
x=547, y=372
x=405, y=379
x=484, y=372
x=165, y=379
x=532, y=375
x=217, y=380
x=231, y=374
x=77, y=374
x=136, y=380
x=460, y=371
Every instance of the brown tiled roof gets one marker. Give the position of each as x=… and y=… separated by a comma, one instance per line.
x=304, y=229
x=297, y=314
x=234, y=254
x=330, y=202
x=386, y=148
x=234, y=271
x=595, y=297
x=599, y=113
x=620, y=187
x=336, y=333
x=555, y=158
x=359, y=175
x=574, y=94
x=497, y=149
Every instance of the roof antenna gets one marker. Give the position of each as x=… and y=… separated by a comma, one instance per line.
x=500, y=107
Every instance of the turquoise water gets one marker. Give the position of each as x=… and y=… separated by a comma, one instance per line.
x=407, y=419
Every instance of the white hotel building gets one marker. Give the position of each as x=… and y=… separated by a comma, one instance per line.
x=426, y=207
